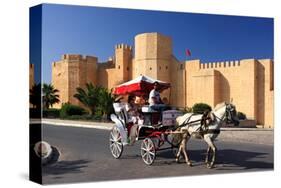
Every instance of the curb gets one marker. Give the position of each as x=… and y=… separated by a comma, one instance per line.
x=104, y=126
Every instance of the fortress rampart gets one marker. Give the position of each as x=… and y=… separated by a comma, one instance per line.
x=247, y=82
x=31, y=75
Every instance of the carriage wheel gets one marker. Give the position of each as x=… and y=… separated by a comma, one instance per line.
x=115, y=143
x=148, y=151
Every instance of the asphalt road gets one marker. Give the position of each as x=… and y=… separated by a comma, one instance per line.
x=85, y=157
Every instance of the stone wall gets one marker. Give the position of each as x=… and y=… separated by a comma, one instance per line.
x=31, y=75
x=70, y=72
x=248, y=83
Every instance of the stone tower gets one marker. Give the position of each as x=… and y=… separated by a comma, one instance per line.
x=153, y=57
x=70, y=72
x=123, y=63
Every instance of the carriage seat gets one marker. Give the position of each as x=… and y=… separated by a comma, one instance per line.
x=121, y=112
x=118, y=107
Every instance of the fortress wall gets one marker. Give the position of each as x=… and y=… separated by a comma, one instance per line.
x=190, y=67
x=113, y=79
x=249, y=83
x=60, y=81
x=102, y=79
x=71, y=72
x=74, y=81
x=265, y=93
x=130, y=68
x=238, y=83
x=134, y=69
x=203, y=87
x=91, y=69
x=223, y=81
x=177, y=80
x=269, y=110
x=31, y=75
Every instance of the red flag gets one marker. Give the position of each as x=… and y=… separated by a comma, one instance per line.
x=187, y=52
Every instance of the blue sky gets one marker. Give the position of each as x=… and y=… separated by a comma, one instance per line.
x=95, y=31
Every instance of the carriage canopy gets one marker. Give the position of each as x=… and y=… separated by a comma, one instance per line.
x=139, y=86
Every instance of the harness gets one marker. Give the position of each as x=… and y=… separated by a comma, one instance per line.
x=203, y=122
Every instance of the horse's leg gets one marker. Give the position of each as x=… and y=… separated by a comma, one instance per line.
x=207, y=155
x=213, y=147
x=179, y=152
x=184, y=151
x=214, y=156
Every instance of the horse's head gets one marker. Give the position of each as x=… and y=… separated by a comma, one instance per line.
x=231, y=114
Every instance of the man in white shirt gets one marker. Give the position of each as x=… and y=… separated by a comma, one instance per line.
x=154, y=95
x=155, y=101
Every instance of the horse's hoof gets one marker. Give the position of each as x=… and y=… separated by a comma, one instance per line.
x=177, y=160
x=189, y=164
x=210, y=166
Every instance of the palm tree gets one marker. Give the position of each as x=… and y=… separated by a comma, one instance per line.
x=35, y=95
x=50, y=95
x=88, y=96
x=105, y=100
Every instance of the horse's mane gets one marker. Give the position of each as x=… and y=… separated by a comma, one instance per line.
x=218, y=106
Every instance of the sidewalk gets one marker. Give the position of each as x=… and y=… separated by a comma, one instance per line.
x=75, y=123
x=249, y=135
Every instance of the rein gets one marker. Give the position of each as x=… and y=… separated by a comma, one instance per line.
x=221, y=119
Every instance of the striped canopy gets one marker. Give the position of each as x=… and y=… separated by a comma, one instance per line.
x=139, y=86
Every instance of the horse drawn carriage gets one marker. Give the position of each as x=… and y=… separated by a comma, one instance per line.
x=155, y=134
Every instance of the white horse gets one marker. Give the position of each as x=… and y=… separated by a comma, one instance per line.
x=190, y=125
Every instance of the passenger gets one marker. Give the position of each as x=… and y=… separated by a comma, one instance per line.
x=134, y=117
x=132, y=110
x=139, y=101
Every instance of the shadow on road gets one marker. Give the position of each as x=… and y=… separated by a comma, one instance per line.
x=64, y=167
x=227, y=159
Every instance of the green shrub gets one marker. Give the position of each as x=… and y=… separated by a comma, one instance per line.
x=51, y=113
x=70, y=110
x=241, y=116
x=199, y=108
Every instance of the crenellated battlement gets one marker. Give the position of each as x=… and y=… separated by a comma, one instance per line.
x=77, y=57
x=224, y=64
x=123, y=46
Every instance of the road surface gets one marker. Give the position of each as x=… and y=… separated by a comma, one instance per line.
x=85, y=157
